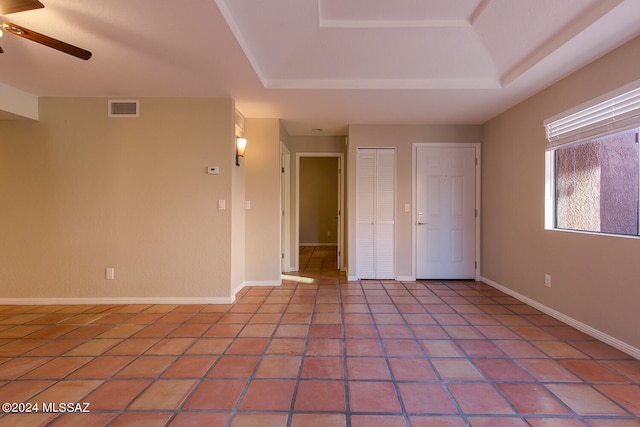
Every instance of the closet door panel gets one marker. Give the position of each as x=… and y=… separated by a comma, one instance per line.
x=385, y=214
x=365, y=211
x=375, y=213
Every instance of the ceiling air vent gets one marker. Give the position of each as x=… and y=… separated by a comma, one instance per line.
x=124, y=108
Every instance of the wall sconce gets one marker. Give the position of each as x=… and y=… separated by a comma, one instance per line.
x=241, y=145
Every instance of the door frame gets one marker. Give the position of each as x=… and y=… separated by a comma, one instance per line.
x=285, y=207
x=340, y=157
x=414, y=198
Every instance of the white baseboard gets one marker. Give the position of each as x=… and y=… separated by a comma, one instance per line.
x=398, y=278
x=238, y=289
x=255, y=283
x=595, y=333
x=117, y=300
x=263, y=283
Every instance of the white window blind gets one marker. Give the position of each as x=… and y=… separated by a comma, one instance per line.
x=618, y=113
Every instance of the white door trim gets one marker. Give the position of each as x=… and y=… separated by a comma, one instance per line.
x=340, y=157
x=285, y=205
x=414, y=198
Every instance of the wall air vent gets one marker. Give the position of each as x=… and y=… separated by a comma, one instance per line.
x=124, y=108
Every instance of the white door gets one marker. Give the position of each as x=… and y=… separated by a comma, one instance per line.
x=385, y=224
x=375, y=214
x=365, y=213
x=445, y=212
x=339, y=216
x=285, y=200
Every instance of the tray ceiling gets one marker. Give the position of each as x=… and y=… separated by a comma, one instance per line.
x=319, y=63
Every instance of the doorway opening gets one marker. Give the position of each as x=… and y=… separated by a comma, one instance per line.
x=319, y=202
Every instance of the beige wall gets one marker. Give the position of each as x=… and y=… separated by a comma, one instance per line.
x=595, y=278
x=402, y=138
x=81, y=192
x=262, y=180
x=318, y=200
x=238, y=220
x=318, y=144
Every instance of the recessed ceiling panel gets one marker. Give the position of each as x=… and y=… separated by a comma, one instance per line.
x=290, y=48
x=400, y=44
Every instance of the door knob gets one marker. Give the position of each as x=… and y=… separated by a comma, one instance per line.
x=422, y=223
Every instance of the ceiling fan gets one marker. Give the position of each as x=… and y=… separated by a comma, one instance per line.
x=12, y=6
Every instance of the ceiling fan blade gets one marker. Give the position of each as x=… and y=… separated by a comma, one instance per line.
x=46, y=40
x=13, y=6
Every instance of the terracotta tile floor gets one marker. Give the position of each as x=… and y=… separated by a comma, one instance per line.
x=330, y=353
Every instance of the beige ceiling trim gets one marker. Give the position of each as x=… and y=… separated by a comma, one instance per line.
x=478, y=11
x=358, y=23
x=385, y=84
x=228, y=16
x=411, y=15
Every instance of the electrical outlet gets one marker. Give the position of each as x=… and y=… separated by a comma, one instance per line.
x=109, y=273
x=547, y=280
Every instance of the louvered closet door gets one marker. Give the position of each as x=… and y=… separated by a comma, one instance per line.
x=365, y=212
x=375, y=188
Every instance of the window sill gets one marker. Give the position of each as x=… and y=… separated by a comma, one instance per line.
x=593, y=233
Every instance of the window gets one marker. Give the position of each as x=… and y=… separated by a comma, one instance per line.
x=592, y=166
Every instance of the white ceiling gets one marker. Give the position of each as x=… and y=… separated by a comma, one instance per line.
x=319, y=63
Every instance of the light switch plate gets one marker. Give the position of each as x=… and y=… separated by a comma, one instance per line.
x=213, y=170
